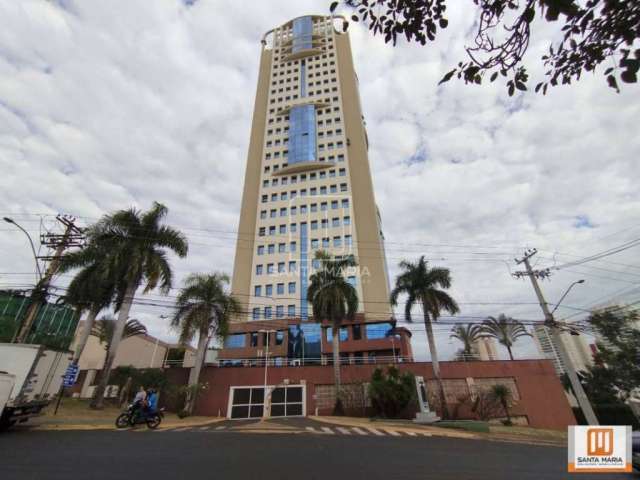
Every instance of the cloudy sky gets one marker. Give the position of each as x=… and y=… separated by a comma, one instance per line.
x=106, y=105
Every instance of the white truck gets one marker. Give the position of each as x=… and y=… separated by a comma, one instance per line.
x=36, y=373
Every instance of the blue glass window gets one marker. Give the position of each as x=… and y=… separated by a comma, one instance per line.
x=302, y=134
x=256, y=313
x=267, y=312
x=302, y=34
x=280, y=311
x=344, y=335
x=258, y=269
x=235, y=341
x=292, y=287
x=378, y=330
x=291, y=310
x=303, y=78
x=268, y=290
x=257, y=291
x=280, y=288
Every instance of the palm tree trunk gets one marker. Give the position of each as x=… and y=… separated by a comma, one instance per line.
x=123, y=315
x=506, y=409
x=335, y=342
x=510, y=353
x=434, y=361
x=88, y=326
x=194, y=374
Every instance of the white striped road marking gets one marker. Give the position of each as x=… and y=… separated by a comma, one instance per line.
x=343, y=430
x=181, y=429
x=391, y=432
x=359, y=431
x=328, y=430
x=411, y=434
x=375, y=432
x=221, y=427
x=312, y=430
x=425, y=434
x=205, y=428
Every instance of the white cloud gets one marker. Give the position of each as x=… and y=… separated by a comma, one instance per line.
x=104, y=105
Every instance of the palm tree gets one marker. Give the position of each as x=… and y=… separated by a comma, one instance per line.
x=203, y=308
x=334, y=299
x=505, y=330
x=131, y=247
x=468, y=335
x=503, y=395
x=104, y=328
x=88, y=291
x=423, y=285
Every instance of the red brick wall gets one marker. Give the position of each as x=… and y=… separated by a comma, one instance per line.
x=542, y=400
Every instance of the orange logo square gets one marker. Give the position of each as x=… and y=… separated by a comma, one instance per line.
x=599, y=441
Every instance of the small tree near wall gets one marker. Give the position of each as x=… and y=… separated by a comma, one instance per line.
x=391, y=393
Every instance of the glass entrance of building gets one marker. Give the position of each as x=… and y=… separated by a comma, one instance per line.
x=248, y=402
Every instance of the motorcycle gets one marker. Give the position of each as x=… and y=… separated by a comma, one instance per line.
x=135, y=415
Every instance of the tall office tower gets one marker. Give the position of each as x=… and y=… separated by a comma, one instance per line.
x=575, y=346
x=308, y=183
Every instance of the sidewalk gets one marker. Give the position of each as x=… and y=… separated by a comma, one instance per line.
x=530, y=436
x=75, y=414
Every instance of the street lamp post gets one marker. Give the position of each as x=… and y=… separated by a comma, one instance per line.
x=33, y=248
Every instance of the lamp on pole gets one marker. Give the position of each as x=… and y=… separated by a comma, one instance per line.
x=33, y=249
x=266, y=365
x=565, y=294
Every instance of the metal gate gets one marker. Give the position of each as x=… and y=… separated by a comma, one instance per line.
x=248, y=402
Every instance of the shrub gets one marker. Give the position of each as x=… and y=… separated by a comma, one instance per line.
x=392, y=393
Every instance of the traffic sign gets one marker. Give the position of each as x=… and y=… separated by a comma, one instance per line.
x=70, y=376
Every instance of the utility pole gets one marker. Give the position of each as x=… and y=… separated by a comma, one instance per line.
x=551, y=323
x=73, y=236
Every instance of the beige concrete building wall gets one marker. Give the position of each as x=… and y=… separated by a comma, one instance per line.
x=331, y=197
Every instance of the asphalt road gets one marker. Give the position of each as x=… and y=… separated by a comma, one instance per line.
x=112, y=455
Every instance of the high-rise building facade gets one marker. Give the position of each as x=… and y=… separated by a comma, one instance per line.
x=308, y=183
x=308, y=187
x=579, y=352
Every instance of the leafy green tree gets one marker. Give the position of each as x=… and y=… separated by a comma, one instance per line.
x=502, y=394
x=425, y=286
x=391, y=393
x=505, y=330
x=333, y=299
x=598, y=383
x=468, y=334
x=594, y=32
x=131, y=247
x=105, y=328
x=203, y=308
x=618, y=353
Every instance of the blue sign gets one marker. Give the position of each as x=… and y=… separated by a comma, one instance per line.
x=70, y=376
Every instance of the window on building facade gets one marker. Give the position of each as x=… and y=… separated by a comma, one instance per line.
x=378, y=330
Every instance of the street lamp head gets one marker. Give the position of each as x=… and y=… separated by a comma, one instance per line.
x=580, y=281
x=8, y=220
